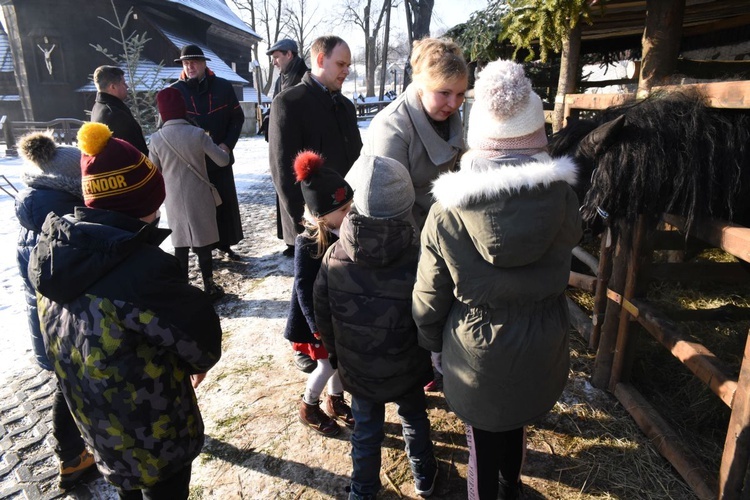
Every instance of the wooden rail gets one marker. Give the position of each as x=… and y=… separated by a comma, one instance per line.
x=64, y=131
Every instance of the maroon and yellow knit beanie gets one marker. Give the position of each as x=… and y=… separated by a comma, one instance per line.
x=115, y=175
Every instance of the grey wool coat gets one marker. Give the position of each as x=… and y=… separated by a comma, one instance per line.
x=496, y=253
x=191, y=212
x=403, y=132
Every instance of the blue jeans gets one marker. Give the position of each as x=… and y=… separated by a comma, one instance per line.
x=368, y=436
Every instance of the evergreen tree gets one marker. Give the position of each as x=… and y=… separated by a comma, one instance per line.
x=142, y=77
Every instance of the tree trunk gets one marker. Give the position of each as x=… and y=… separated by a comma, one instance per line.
x=384, y=61
x=661, y=42
x=571, y=54
x=418, y=18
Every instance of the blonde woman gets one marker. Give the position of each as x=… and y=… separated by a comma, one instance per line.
x=422, y=128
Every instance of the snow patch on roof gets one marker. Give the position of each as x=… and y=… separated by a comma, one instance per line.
x=148, y=76
x=216, y=65
x=218, y=10
x=6, y=57
x=250, y=94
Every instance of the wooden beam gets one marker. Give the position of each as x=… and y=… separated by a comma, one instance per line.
x=703, y=363
x=582, y=281
x=733, y=95
x=579, y=319
x=725, y=313
x=691, y=272
x=596, y=101
x=666, y=441
x=735, y=461
x=713, y=69
x=729, y=237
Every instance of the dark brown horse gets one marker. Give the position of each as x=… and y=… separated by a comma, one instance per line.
x=667, y=153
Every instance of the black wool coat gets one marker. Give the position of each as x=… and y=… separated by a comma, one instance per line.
x=305, y=117
x=212, y=105
x=111, y=111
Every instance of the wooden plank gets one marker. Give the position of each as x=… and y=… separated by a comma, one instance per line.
x=608, y=338
x=596, y=101
x=718, y=94
x=600, y=295
x=725, y=313
x=735, y=460
x=582, y=281
x=729, y=237
x=579, y=320
x=691, y=272
x=667, y=442
x=697, y=358
x=635, y=256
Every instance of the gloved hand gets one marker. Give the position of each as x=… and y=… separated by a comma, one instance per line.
x=437, y=361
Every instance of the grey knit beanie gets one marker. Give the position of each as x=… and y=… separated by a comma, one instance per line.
x=38, y=149
x=382, y=187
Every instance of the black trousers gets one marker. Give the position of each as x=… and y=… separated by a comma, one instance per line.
x=493, y=457
x=69, y=441
x=204, y=260
x=176, y=487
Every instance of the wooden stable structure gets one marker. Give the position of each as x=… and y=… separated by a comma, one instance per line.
x=622, y=272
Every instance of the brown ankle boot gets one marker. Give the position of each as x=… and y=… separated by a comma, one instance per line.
x=314, y=418
x=336, y=408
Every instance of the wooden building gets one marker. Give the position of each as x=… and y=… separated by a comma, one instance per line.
x=48, y=46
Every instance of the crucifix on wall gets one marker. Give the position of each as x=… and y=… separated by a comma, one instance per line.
x=47, y=54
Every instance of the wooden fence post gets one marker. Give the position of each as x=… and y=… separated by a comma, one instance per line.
x=734, y=473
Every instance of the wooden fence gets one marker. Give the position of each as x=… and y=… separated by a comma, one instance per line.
x=622, y=272
x=64, y=131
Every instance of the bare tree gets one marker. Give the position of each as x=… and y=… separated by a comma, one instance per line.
x=386, y=35
x=265, y=19
x=369, y=18
x=418, y=18
x=303, y=24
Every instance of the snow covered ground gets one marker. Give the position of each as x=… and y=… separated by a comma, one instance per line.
x=15, y=344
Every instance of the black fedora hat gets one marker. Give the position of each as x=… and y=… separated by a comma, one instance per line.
x=192, y=52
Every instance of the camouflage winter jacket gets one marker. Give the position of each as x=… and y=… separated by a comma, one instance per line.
x=124, y=330
x=363, y=308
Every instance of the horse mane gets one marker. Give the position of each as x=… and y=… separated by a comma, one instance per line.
x=673, y=154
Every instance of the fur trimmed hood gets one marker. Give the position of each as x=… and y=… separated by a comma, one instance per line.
x=483, y=179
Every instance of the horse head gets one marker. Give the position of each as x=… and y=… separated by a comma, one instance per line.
x=586, y=141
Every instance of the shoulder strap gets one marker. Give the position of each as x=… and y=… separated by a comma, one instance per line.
x=192, y=169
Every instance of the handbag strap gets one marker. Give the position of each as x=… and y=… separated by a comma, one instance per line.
x=192, y=169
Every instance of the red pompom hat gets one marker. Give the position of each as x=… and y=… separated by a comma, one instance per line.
x=115, y=175
x=323, y=189
x=171, y=104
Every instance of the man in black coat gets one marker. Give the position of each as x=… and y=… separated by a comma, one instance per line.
x=291, y=70
x=109, y=108
x=292, y=67
x=213, y=105
x=312, y=116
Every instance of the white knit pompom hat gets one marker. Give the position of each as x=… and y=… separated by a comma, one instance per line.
x=506, y=114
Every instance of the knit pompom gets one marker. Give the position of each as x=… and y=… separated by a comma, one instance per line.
x=92, y=137
x=503, y=87
x=37, y=147
x=306, y=163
